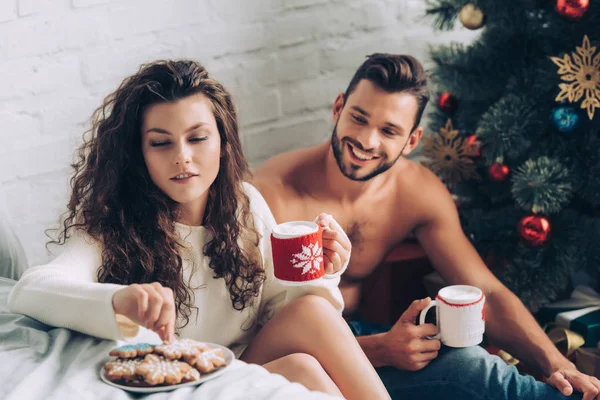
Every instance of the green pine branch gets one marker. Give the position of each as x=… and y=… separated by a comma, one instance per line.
x=506, y=128
x=542, y=186
x=443, y=12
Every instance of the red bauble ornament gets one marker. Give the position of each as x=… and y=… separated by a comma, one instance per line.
x=498, y=172
x=534, y=230
x=447, y=102
x=572, y=10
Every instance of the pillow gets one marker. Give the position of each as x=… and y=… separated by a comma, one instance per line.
x=13, y=261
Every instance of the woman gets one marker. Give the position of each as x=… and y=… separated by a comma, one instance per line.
x=162, y=232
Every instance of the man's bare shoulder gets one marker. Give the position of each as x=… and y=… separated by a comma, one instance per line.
x=279, y=165
x=280, y=176
x=427, y=192
x=410, y=173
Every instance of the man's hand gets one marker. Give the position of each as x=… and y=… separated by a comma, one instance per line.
x=336, y=245
x=149, y=305
x=568, y=379
x=406, y=344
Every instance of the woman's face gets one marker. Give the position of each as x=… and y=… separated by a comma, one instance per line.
x=182, y=150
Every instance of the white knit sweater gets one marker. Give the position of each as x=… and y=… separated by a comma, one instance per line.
x=66, y=292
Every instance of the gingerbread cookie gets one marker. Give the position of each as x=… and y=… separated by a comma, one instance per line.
x=192, y=375
x=180, y=349
x=208, y=360
x=132, y=350
x=157, y=370
x=121, y=369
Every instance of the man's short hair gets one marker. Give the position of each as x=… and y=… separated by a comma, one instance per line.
x=394, y=73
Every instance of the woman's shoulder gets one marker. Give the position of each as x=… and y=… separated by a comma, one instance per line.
x=257, y=201
x=258, y=206
x=78, y=242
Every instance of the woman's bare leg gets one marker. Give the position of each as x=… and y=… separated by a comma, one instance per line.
x=305, y=370
x=311, y=325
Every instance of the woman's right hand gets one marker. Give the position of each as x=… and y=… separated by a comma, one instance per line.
x=149, y=305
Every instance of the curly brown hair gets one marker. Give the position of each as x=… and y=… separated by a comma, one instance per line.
x=115, y=201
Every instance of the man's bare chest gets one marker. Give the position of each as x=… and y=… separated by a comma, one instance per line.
x=373, y=229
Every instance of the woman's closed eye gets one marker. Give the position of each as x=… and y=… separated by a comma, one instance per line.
x=168, y=142
x=159, y=144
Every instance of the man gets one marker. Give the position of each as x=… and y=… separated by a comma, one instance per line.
x=362, y=178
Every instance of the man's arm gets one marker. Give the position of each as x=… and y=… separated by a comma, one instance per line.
x=374, y=348
x=403, y=346
x=509, y=324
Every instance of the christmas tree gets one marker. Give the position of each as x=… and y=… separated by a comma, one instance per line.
x=516, y=137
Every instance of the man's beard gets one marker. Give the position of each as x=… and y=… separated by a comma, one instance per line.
x=351, y=172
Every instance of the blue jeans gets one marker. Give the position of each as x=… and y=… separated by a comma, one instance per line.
x=468, y=373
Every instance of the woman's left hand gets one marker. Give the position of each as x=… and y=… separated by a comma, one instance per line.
x=336, y=245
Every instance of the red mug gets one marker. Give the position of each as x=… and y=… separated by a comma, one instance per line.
x=297, y=248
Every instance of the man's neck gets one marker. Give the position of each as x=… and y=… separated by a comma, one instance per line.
x=341, y=187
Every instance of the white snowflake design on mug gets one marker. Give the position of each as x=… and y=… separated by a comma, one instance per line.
x=309, y=258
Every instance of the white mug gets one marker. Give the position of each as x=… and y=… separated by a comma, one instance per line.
x=460, y=315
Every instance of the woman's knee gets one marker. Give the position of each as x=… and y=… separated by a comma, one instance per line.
x=311, y=305
x=303, y=361
x=306, y=370
x=304, y=364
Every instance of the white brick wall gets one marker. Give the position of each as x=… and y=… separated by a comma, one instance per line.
x=283, y=60
x=8, y=10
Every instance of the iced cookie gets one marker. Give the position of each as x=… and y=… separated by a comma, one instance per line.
x=208, y=360
x=180, y=349
x=192, y=375
x=157, y=370
x=121, y=369
x=132, y=350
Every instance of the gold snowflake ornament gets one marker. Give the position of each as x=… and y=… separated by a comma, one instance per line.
x=449, y=155
x=583, y=73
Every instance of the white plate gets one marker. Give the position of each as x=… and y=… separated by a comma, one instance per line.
x=229, y=357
